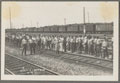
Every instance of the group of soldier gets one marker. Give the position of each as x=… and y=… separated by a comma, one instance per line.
x=80, y=44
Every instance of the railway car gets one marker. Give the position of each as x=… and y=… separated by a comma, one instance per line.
x=104, y=28
x=32, y=29
x=72, y=28
x=36, y=29
x=62, y=28
x=28, y=29
x=7, y=30
x=80, y=28
x=54, y=28
x=22, y=30
x=40, y=29
x=47, y=29
x=90, y=28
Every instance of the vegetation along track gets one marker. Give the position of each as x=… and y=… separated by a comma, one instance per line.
x=19, y=66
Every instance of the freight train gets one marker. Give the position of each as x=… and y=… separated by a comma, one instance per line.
x=90, y=28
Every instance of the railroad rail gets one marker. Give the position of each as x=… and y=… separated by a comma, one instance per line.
x=18, y=66
x=7, y=71
x=80, y=58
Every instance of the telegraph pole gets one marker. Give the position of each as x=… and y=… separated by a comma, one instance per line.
x=88, y=18
x=84, y=21
x=84, y=14
x=10, y=18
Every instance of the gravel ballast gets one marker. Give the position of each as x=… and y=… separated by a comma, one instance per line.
x=58, y=65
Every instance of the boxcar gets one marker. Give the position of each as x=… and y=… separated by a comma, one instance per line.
x=90, y=28
x=54, y=28
x=46, y=29
x=72, y=28
x=40, y=29
x=62, y=28
x=32, y=29
x=80, y=28
x=104, y=28
x=36, y=29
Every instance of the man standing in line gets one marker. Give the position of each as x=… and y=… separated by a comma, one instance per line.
x=64, y=44
x=85, y=44
x=98, y=47
x=24, y=45
x=34, y=44
x=39, y=42
x=105, y=48
x=30, y=44
x=71, y=44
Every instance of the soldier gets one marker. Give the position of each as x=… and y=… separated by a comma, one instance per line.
x=52, y=43
x=13, y=39
x=80, y=44
x=98, y=47
x=94, y=45
x=61, y=43
x=49, y=42
x=77, y=43
x=71, y=44
x=24, y=45
x=17, y=40
x=89, y=45
x=20, y=39
x=57, y=45
x=39, y=42
x=46, y=38
x=34, y=44
x=112, y=48
x=30, y=44
x=64, y=44
x=104, y=48
x=43, y=42
x=68, y=43
x=85, y=44
x=74, y=44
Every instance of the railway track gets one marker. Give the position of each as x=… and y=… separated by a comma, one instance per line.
x=78, y=58
x=18, y=66
x=7, y=71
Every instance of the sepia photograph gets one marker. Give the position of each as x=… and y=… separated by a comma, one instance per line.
x=59, y=40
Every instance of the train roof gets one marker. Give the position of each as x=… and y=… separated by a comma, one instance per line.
x=65, y=25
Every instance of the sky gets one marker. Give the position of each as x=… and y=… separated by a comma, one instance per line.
x=37, y=14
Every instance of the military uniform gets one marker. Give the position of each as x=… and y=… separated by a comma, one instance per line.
x=39, y=43
x=31, y=45
x=95, y=46
x=77, y=43
x=61, y=43
x=85, y=45
x=98, y=47
x=71, y=44
x=64, y=44
x=68, y=43
x=24, y=45
x=43, y=42
x=104, y=49
x=34, y=44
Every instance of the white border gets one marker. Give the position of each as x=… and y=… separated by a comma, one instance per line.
x=114, y=77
